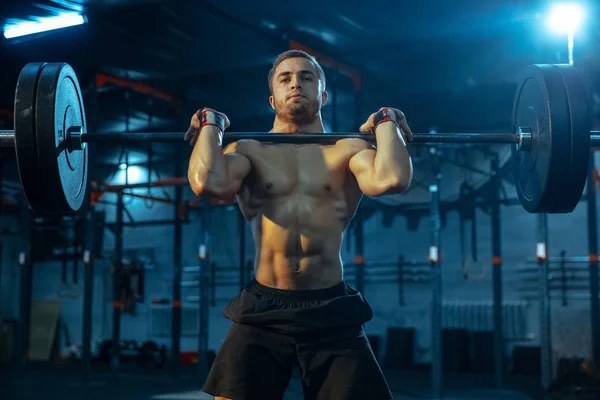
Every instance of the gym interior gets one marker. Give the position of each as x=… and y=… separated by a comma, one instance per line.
x=475, y=294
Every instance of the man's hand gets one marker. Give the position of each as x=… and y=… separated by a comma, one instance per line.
x=394, y=115
x=206, y=116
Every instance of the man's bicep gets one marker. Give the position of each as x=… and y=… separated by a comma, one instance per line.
x=361, y=166
x=238, y=167
x=238, y=164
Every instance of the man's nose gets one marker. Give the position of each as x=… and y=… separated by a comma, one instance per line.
x=295, y=82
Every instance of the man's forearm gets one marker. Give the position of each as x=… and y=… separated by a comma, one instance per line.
x=392, y=161
x=207, y=169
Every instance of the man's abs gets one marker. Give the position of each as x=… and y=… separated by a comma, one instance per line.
x=298, y=245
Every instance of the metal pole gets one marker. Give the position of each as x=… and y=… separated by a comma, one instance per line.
x=25, y=262
x=242, y=233
x=474, y=225
x=497, y=276
x=401, y=280
x=7, y=137
x=570, y=43
x=213, y=283
x=76, y=138
x=592, y=220
x=545, y=322
x=91, y=222
x=88, y=279
x=203, y=257
x=359, y=243
x=563, y=277
x=117, y=283
x=177, y=266
x=435, y=223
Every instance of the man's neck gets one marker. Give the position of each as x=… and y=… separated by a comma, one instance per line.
x=280, y=126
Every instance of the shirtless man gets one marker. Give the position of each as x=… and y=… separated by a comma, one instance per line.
x=299, y=200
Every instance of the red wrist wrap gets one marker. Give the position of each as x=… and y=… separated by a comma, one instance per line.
x=384, y=115
x=208, y=117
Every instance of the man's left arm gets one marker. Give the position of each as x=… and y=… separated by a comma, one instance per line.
x=387, y=170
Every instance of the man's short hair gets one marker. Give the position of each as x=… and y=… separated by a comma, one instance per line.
x=296, y=54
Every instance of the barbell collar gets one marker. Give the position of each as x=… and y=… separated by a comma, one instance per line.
x=75, y=136
x=7, y=138
x=524, y=134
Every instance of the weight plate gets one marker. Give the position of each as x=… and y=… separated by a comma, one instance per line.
x=60, y=107
x=541, y=105
x=25, y=139
x=580, y=135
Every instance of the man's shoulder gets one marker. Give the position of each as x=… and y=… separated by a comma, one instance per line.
x=354, y=144
x=242, y=146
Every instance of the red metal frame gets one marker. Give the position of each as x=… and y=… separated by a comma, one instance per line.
x=158, y=183
x=140, y=87
x=100, y=189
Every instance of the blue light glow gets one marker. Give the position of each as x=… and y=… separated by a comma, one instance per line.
x=131, y=174
x=43, y=25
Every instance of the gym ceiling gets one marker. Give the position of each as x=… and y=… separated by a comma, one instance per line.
x=452, y=65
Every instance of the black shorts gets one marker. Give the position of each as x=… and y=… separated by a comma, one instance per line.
x=320, y=331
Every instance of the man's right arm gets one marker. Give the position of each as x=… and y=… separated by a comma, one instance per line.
x=214, y=172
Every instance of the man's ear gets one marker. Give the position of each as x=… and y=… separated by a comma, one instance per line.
x=271, y=101
x=324, y=97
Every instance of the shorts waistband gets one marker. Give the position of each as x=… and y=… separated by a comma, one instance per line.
x=312, y=294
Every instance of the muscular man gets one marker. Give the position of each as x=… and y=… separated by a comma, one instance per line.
x=299, y=200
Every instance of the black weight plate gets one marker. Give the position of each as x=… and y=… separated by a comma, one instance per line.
x=541, y=105
x=25, y=138
x=580, y=135
x=59, y=107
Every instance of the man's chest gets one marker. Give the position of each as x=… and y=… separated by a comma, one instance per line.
x=287, y=169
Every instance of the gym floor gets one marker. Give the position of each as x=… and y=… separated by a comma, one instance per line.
x=67, y=382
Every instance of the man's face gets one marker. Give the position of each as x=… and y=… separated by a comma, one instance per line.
x=297, y=92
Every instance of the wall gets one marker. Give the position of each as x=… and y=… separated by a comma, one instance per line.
x=567, y=232
x=518, y=229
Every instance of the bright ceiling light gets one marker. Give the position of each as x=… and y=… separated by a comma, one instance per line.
x=565, y=17
x=43, y=25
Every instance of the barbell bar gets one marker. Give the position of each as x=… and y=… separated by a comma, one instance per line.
x=77, y=138
x=550, y=138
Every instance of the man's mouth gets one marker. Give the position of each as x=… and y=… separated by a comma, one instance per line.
x=294, y=96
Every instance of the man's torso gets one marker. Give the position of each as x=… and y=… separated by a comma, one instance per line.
x=299, y=199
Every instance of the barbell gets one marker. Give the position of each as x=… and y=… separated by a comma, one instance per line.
x=550, y=138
